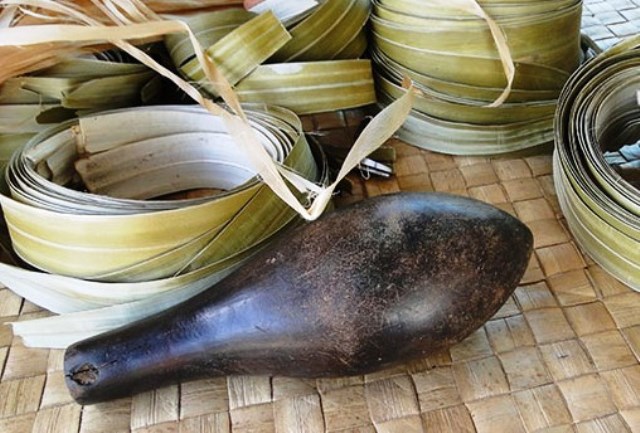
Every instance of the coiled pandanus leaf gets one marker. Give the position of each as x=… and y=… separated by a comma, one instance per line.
x=597, y=123
x=457, y=59
x=115, y=228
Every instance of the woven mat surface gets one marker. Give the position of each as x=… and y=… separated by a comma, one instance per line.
x=561, y=356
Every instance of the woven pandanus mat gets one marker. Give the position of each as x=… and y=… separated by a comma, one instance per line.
x=606, y=21
x=561, y=356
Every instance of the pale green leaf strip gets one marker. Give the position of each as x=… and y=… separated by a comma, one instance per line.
x=468, y=113
x=108, y=92
x=241, y=51
x=453, y=89
x=87, y=68
x=356, y=48
x=22, y=118
x=549, y=39
x=13, y=92
x=326, y=32
x=614, y=250
x=471, y=70
x=64, y=330
x=467, y=139
x=209, y=28
x=287, y=11
x=311, y=87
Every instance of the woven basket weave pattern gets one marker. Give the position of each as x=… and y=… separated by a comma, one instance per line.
x=561, y=356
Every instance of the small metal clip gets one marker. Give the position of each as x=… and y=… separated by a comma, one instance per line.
x=370, y=167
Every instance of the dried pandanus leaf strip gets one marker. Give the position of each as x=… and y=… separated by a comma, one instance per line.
x=288, y=12
x=327, y=32
x=456, y=138
x=311, y=87
x=241, y=51
x=462, y=111
x=209, y=28
x=395, y=71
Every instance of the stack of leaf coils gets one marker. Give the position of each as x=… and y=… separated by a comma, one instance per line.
x=452, y=58
x=598, y=112
x=124, y=245
x=30, y=104
x=310, y=68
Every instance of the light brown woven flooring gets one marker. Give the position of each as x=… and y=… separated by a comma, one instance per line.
x=561, y=356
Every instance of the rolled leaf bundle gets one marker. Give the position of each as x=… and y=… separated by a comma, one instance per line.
x=115, y=233
x=597, y=159
x=485, y=65
x=313, y=80
x=133, y=20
